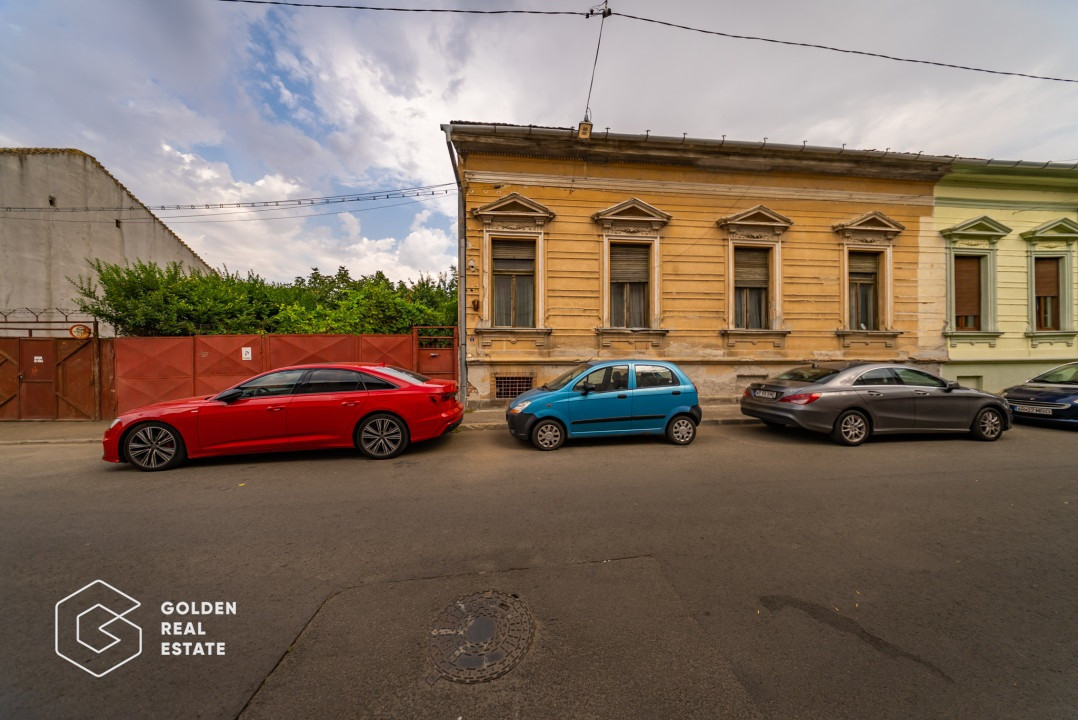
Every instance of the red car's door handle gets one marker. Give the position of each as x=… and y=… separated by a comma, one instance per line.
x=275, y=408
x=349, y=403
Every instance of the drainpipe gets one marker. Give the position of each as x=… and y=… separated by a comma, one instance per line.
x=462, y=272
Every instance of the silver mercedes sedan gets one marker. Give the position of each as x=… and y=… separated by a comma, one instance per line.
x=851, y=401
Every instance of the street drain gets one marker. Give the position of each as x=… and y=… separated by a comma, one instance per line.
x=479, y=637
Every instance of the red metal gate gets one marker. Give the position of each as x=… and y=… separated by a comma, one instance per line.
x=149, y=370
x=49, y=379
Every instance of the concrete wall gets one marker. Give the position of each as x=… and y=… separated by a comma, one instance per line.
x=40, y=250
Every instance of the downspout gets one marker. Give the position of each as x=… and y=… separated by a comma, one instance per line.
x=462, y=272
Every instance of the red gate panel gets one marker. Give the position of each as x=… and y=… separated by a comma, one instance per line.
x=390, y=349
x=222, y=361
x=37, y=367
x=150, y=370
x=76, y=379
x=299, y=349
x=9, y=378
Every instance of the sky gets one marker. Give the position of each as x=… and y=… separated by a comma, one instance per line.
x=191, y=102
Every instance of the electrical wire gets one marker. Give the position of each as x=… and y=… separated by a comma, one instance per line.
x=412, y=10
x=442, y=189
x=842, y=50
x=608, y=12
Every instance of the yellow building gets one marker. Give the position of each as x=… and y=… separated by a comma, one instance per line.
x=735, y=260
x=1011, y=235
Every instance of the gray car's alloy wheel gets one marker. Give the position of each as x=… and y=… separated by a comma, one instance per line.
x=988, y=425
x=681, y=430
x=548, y=435
x=154, y=446
x=382, y=436
x=851, y=428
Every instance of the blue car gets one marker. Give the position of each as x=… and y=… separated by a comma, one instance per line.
x=611, y=397
x=1051, y=397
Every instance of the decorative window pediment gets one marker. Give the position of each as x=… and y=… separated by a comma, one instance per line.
x=871, y=228
x=757, y=223
x=514, y=212
x=1061, y=231
x=979, y=232
x=632, y=216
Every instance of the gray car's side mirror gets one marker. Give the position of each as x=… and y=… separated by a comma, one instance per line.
x=952, y=385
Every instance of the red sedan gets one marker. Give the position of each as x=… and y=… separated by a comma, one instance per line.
x=378, y=409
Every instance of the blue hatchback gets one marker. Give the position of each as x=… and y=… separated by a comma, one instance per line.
x=611, y=397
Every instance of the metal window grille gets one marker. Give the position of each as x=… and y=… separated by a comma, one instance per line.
x=507, y=387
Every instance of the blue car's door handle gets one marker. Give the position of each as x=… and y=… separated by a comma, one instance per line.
x=622, y=396
x=676, y=392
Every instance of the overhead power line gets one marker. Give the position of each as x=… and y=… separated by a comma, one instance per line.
x=842, y=50
x=442, y=189
x=412, y=10
x=608, y=13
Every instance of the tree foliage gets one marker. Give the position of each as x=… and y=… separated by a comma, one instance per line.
x=147, y=299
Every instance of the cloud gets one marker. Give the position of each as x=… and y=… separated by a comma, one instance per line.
x=219, y=102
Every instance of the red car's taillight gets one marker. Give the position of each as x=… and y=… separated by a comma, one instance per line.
x=801, y=398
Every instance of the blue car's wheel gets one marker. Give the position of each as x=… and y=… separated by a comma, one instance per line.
x=681, y=430
x=548, y=434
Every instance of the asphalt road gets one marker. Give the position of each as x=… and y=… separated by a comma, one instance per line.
x=751, y=574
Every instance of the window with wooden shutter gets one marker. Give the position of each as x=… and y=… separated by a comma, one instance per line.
x=514, y=283
x=863, y=271
x=630, y=272
x=751, y=280
x=967, y=292
x=1046, y=292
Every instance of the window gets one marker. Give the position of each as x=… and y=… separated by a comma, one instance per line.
x=648, y=376
x=276, y=383
x=507, y=387
x=751, y=277
x=629, y=275
x=606, y=379
x=918, y=378
x=967, y=292
x=328, y=380
x=1046, y=293
x=514, y=283
x=879, y=376
x=376, y=383
x=864, y=290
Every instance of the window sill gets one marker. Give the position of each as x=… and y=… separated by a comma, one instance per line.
x=973, y=337
x=753, y=336
x=514, y=335
x=1051, y=337
x=868, y=337
x=652, y=335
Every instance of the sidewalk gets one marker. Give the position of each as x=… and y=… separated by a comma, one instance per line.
x=50, y=432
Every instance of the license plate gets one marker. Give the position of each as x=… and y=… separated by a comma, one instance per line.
x=769, y=394
x=1030, y=410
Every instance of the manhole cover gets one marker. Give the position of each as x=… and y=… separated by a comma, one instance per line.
x=479, y=637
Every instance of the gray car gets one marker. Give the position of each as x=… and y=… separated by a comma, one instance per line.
x=851, y=401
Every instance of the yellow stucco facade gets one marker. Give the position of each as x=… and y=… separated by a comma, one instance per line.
x=739, y=259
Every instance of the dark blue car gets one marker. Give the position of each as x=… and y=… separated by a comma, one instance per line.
x=1051, y=397
x=611, y=397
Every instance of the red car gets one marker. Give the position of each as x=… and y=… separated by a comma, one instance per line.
x=376, y=408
